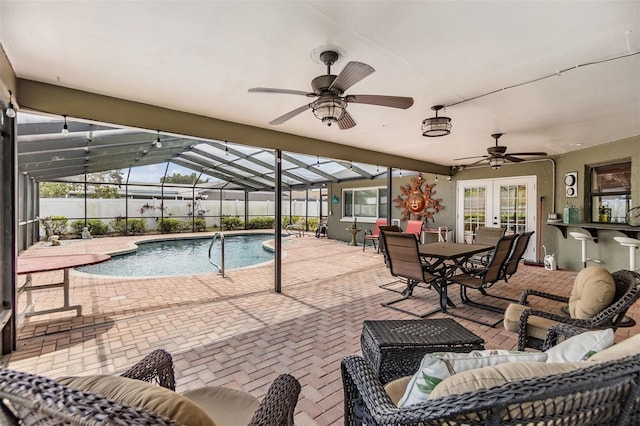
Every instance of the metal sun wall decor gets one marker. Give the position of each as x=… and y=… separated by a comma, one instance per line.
x=417, y=203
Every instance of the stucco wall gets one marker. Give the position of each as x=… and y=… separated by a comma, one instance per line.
x=613, y=256
x=551, y=196
x=444, y=191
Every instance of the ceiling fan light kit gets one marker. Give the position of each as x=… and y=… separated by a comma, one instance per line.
x=329, y=110
x=496, y=163
x=436, y=126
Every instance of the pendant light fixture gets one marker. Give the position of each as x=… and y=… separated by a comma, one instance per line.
x=157, y=143
x=10, y=111
x=436, y=126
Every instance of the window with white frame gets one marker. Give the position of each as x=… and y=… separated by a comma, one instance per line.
x=364, y=203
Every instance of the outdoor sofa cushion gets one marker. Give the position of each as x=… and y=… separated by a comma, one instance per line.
x=228, y=407
x=487, y=377
x=593, y=290
x=436, y=367
x=629, y=346
x=143, y=395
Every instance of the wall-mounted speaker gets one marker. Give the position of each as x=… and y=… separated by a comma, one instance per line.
x=571, y=184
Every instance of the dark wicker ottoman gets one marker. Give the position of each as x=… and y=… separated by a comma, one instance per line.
x=395, y=348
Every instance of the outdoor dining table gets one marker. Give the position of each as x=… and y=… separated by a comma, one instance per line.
x=37, y=264
x=445, y=258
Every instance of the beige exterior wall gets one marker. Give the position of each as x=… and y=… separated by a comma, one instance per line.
x=444, y=191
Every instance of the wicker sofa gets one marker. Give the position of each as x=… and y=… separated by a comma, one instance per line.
x=591, y=393
x=28, y=399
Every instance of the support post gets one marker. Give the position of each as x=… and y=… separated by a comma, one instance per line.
x=278, y=223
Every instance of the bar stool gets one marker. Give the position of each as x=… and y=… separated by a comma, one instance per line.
x=583, y=238
x=633, y=245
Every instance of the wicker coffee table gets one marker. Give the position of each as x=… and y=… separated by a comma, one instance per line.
x=395, y=348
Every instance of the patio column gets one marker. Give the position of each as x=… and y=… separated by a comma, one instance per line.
x=278, y=224
x=389, y=184
x=8, y=242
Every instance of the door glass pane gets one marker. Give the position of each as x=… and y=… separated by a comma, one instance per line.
x=513, y=208
x=475, y=199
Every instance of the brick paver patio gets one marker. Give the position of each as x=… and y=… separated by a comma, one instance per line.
x=236, y=331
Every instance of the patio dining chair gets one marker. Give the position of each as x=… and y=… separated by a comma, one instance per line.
x=149, y=400
x=382, y=229
x=407, y=265
x=489, y=236
x=517, y=252
x=375, y=235
x=414, y=227
x=482, y=277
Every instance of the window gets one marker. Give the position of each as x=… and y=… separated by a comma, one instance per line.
x=366, y=203
x=610, y=192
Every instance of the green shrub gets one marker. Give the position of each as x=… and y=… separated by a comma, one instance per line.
x=295, y=220
x=95, y=226
x=229, y=223
x=135, y=226
x=59, y=225
x=313, y=223
x=199, y=224
x=169, y=225
x=261, y=223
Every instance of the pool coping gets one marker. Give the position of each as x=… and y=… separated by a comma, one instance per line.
x=268, y=245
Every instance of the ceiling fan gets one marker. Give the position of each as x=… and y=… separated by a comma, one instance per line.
x=497, y=155
x=331, y=102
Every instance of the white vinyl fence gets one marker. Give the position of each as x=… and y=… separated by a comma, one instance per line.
x=109, y=209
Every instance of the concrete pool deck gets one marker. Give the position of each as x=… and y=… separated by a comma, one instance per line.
x=236, y=331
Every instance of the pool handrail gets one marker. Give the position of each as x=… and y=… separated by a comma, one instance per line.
x=213, y=239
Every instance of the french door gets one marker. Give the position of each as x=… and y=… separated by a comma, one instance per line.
x=508, y=203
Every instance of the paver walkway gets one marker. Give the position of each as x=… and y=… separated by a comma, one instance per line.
x=237, y=331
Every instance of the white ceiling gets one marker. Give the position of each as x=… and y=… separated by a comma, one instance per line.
x=201, y=57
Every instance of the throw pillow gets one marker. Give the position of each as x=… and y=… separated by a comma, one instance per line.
x=437, y=366
x=142, y=395
x=581, y=346
x=593, y=290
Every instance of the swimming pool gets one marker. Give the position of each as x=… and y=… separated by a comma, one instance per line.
x=185, y=256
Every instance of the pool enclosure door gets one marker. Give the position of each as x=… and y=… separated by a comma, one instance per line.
x=509, y=203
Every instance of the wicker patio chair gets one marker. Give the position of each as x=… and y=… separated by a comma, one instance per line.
x=28, y=399
x=533, y=324
x=605, y=393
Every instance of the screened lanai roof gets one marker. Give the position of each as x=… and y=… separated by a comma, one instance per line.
x=45, y=153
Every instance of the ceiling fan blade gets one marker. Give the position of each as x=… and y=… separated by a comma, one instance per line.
x=272, y=90
x=346, y=122
x=352, y=73
x=528, y=153
x=513, y=159
x=469, y=158
x=477, y=162
x=381, y=100
x=290, y=115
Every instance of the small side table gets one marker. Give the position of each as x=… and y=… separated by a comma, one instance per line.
x=354, y=232
x=395, y=348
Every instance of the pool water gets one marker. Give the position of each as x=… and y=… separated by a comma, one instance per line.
x=187, y=256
